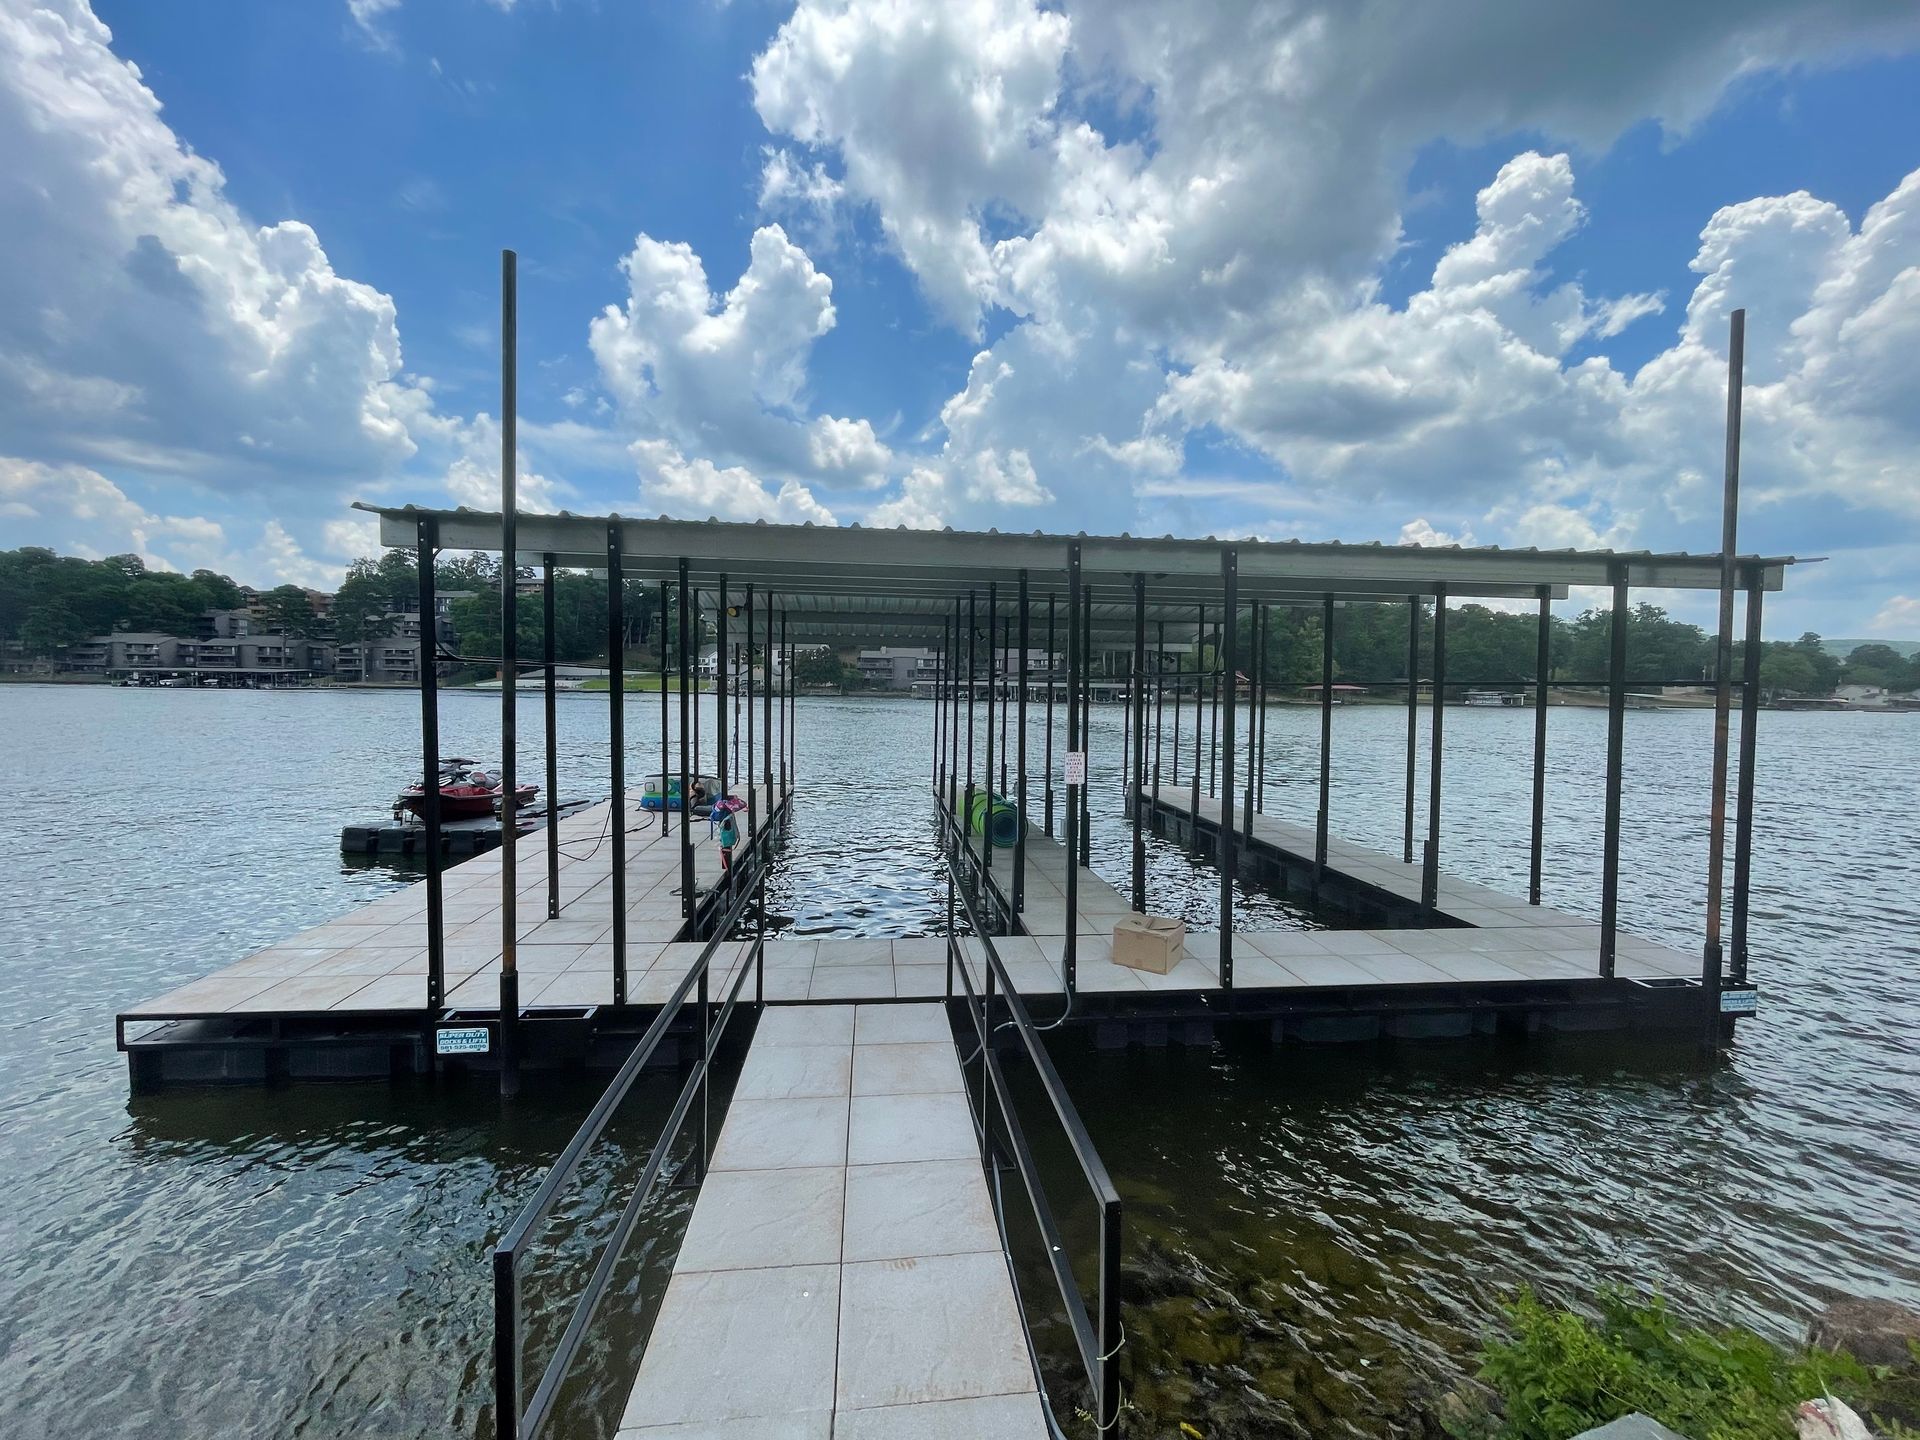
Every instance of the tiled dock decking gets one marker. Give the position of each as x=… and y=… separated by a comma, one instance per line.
x=375, y=957
x=842, y=1275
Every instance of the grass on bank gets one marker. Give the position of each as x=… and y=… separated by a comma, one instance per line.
x=1560, y=1373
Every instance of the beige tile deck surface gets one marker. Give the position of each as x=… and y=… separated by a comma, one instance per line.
x=375, y=957
x=841, y=1274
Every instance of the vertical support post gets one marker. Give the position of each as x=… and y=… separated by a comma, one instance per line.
x=1137, y=753
x=1257, y=782
x=766, y=707
x=1710, y=953
x=1616, y=745
x=1199, y=732
x=952, y=793
x=1020, y=767
x=666, y=788
x=1743, y=803
x=509, y=674
x=1413, y=718
x=1086, y=722
x=1326, y=739
x=617, y=751
x=553, y=737
x=1052, y=670
x=1159, y=702
x=689, y=602
x=426, y=541
x=1229, y=665
x=793, y=707
x=986, y=829
x=1430, y=862
x=721, y=662
x=746, y=770
x=1070, y=952
x=973, y=629
x=940, y=672
x=1542, y=663
x=1179, y=675
x=1213, y=711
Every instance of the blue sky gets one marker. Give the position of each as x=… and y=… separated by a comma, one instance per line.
x=1291, y=271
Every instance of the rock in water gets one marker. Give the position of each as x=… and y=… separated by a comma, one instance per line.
x=1874, y=1332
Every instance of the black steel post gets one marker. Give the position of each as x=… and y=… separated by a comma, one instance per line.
x=993, y=628
x=1070, y=951
x=1086, y=722
x=1326, y=739
x=789, y=706
x=1413, y=717
x=973, y=629
x=666, y=762
x=509, y=675
x=1710, y=952
x=940, y=706
x=1262, y=635
x=1199, y=732
x=1052, y=668
x=1137, y=763
x=1229, y=657
x=1179, y=675
x=426, y=540
x=1020, y=839
x=1743, y=798
x=1542, y=663
x=746, y=684
x=1430, y=862
x=1213, y=713
x=1616, y=749
x=689, y=602
x=1159, y=702
x=766, y=707
x=553, y=739
x=721, y=661
x=617, y=752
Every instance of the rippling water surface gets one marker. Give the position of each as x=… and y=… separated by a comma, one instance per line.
x=1316, y=1236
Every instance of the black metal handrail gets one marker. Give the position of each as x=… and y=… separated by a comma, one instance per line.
x=1098, y=1342
x=511, y=1422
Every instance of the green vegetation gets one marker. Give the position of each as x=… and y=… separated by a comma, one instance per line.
x=1560, y=1373
x=49, y=601
x=1493, y=647
x=825, y=667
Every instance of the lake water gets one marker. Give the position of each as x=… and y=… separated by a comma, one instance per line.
x=1317, y=1237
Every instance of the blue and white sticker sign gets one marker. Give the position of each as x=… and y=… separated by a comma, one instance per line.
x=1739, y=1002
x=1076, y=767
x=463, y=1040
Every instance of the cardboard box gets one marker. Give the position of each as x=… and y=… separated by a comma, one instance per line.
x=1149, y=942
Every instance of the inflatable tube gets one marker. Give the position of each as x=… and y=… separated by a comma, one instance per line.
x=1003, y=827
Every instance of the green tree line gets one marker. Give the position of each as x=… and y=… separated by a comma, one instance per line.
x=49, y=601
x=1496, y=647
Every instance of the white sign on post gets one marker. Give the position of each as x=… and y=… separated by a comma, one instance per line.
x=1076, y=767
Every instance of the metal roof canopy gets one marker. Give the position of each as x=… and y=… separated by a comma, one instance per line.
x=906, y=578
